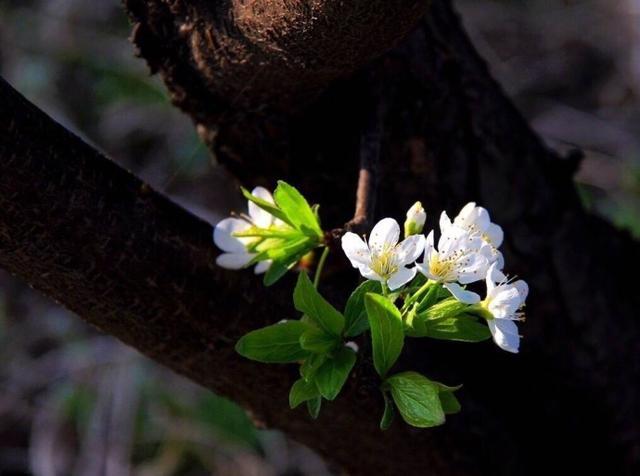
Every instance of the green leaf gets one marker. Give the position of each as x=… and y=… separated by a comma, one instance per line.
x=463, y=328
x=283, y=258
x=449, y=402
x=307, y=300
x=276, y=271
x=389, y=412
x=318, y=341
x=313, y=407
x=297, y=209
x=279, y=343
x=387, y=333
x=417, y=399
x=302, y=391
x=266, y=206
x=355, y=314
x=287, y=234
x=450, y=307
x=333, y=373
x=311, y=365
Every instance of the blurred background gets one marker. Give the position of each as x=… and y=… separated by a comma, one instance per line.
x=73, y=401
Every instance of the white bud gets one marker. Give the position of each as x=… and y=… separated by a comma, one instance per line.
x=416, y=216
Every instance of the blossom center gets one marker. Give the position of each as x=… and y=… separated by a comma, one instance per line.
x=384, y=262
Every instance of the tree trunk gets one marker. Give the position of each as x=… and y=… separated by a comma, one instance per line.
x=88, y=234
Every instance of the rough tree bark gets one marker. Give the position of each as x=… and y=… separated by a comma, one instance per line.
x=85, y=232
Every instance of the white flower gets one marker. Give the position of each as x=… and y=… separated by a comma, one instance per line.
x=416, y=216
x=235, y=254
x=458, y=259
x=383, y=258
x=503, y=301
x=477, y=222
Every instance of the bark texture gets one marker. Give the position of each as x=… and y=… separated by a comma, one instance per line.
x=90, y=235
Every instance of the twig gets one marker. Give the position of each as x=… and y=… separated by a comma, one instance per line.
x=370, y=141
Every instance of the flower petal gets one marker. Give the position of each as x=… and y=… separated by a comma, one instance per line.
x=410, y=249
x=223, y=234
x=401, y=277
x=494, y=235
x=505, y=334
x=495, y=275
x=260, y=217
x=474, y=268
x=462, y=295
x=445, y=222
x=368, y=273
x=523, y=290
x=262, y=266
x=356, y=250
x=385, y=234
x=234, y=260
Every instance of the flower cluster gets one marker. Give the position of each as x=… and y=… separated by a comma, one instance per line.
x=416, y=286
x=467, y=251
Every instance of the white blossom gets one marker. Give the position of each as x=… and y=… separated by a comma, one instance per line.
x=477, y=222
x=416, y=217
x=236, y=255
x=383, y=258
x=504, y=301
x=459, y=258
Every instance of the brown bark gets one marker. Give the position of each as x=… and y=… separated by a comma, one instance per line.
x=140, y=268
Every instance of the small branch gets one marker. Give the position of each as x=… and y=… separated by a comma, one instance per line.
x=370, y=142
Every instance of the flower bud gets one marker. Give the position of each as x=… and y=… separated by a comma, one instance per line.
x=416, y=216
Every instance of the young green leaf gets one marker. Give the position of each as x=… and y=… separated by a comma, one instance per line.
x=417, y=399
x=266, y=206
x=279, y=343
x=463, y=328
x=389, y=412
x=387, y=333
x=318, y=341
x=307, y=300
x=450, y=307
x=311, y=365
x=355, y=314
x=449, y=402
x=302, y=391
x=283, y=257
x=333, y=373
x=313, y=407
x=297, y=209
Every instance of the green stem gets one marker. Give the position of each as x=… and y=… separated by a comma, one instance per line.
x=418, y=294
x=323, y=259
x=385, y=288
